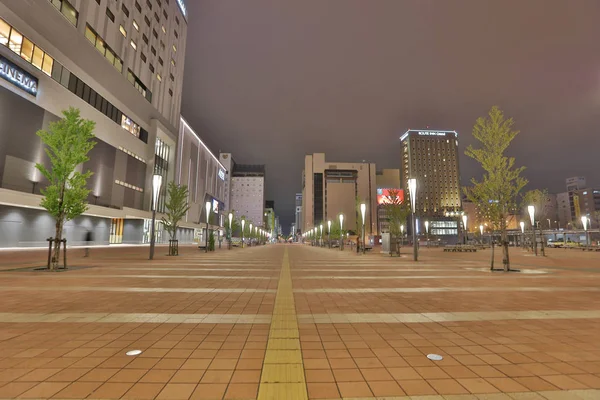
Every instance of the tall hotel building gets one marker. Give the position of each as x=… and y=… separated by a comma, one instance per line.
x=431, y=157
x=120, y=62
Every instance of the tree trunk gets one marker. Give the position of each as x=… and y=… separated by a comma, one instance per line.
x=505, y=259
x=57, y=242
x=492, y=244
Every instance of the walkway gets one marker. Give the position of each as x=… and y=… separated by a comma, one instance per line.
x=297, y=322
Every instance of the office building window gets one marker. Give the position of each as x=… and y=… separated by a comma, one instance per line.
x=138, y=6
x=122, y=30
x=145, y=38
x=125, y=10
x=4, y=32
x=143, y=57
x=136, y=26
x=147, y=21
x=133, y=44
x=15, y=41
x=176, y=34
x=137, y=83
x=67, y=10
x=110, y=15
x=27, y=50
x=101, y=46
x=149, y=4
x=151, y=67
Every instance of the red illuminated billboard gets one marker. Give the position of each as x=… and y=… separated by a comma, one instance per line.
x=384, y=195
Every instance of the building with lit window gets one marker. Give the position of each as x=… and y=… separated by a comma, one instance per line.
x=247, y=196
x=121, y=64
x=431, y=157
x=333, y=188
x=205, y=176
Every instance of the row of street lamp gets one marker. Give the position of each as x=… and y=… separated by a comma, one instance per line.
x=156, y=185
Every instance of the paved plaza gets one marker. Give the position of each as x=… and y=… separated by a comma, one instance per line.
x=300, y=322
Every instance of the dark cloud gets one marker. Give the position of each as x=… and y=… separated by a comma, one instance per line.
x=272, y=80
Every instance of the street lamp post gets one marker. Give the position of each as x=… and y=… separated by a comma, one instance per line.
x=321, y=236
x=522, y=223
x=481, y=232
x=230, y=229
x=466, y=233
x=584, y=221
x=243, y=224
x=531, y=210
x=412, y=188
x=329, y=233
x=207, y=220
x=402, y=235
x=363, y=210
x=250, y=236
x=341, y=232
x=156, y=184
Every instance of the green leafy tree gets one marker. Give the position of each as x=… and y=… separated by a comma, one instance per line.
x=496, y=194
x=177, y=206
x=68, y=142
x=211, y=241
x=397, y=212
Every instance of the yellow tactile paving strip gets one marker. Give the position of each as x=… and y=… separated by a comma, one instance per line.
x=282, y=374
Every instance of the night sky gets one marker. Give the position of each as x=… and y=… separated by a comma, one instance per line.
x=273, y=80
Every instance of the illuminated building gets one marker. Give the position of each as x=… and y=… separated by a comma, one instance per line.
x=119, y=63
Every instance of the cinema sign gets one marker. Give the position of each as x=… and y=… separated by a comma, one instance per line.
x=18, y=77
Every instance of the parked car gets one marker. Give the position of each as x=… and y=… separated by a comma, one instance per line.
x=560, y=242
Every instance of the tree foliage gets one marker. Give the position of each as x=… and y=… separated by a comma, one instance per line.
x=397, y=212
x=496, y=194
x=176, y=207
x=68, y=142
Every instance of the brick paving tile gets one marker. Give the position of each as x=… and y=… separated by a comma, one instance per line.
x=535, y=383
x=13, y=389
x=246, y=391
x=319, y=376
x=323, y=391
x=447, y=386
x=209, y=391
x=143, y=391
x=158, y=376
x=44, y=390
x=477, y=385
x=354, y=389
x=187, y=376
x=385, y=388
x=564, y=382
x=506, y=385
x=77, y=390
x=404, y=373
x=177, y=391
x=110, y=391
x=347, y=375
x=416, y=387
